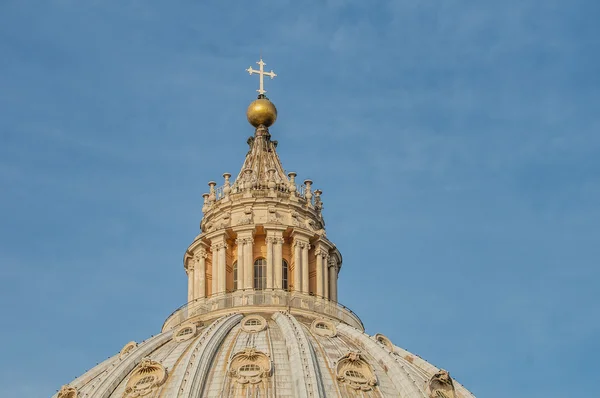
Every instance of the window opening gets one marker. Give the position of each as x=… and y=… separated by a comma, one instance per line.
x=284, y=275
x=235, y=276
x=260, y=274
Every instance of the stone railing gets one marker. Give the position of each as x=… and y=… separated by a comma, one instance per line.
x=276, y=299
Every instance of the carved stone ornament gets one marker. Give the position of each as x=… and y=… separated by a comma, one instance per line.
x=354, y=371
x=185, y=332
x=440, y=386
x=247, y=217
x=272, y=216
x=295, y=219
x=127, y=348
x=145, y=379
x=250, y=367
x=384, y=341
x=67, y=391
x=323, y=327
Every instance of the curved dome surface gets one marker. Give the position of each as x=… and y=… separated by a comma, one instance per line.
x=258, y=354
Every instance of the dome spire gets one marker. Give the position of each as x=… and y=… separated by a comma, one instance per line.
x=261, y=112
x=261, y=73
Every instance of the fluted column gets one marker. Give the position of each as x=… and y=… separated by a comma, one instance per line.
x=298, y=265
x=270, y=262
x=200, y=274
x=278, y=262
x=248, y=263
x=214, y=248
x=320, y=270
x=190, y=275
x=305, y=277
x=333, y=279
x=240, y=263
x=222, y=283
x=326, y=290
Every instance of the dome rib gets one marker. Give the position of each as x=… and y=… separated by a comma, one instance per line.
x=122, y=370
x=301, y=356
x=204, y=352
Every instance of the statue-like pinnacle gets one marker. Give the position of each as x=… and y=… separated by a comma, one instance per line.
x=261, y=111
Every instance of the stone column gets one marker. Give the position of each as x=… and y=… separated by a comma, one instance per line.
x=190, y=275
x=298, y=265
x=240, y=263
x=214, y=248
x=326, y=292
x=269, y=262
x=248, y=264
x=305, y=277
x=332, y=280
x=278, y=262
x=222, y=284
x=200, y=274
x=320, y=270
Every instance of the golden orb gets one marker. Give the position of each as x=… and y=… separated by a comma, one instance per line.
x=261, y=111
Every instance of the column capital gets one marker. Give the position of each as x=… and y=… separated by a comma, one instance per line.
x=300, y=243
x=319, y=252
x=331, y=262
x=218, y=246
x=200, y=254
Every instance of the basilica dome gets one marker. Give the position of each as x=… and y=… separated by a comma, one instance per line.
x=262, y=317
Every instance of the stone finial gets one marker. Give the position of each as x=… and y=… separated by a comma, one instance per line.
x=307, y=191
x=318, y=202
x=205, y=204
x=212, y=194
x=292, y=186
x=441, y=386
x=227, y=184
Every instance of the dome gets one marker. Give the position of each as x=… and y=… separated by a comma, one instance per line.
x=262, y=351
x=262, y=317
x=261, y=111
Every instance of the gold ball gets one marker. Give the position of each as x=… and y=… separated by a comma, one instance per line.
x=261, y=111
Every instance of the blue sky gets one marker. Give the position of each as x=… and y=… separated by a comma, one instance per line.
x=456, y=143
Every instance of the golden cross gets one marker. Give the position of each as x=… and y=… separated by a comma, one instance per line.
x=261, y=73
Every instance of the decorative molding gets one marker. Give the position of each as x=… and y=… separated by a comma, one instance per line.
x=127, y=348
x=67, y=391
x=440, y=386
x=145, y=379
x=354, y=371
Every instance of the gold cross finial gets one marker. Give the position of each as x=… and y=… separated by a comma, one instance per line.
x=261, y=73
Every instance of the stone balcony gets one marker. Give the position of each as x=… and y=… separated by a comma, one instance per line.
x=261, y=300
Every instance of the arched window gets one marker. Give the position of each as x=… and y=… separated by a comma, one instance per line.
x=235, y=276
x=284, y=275
x=260, y=274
